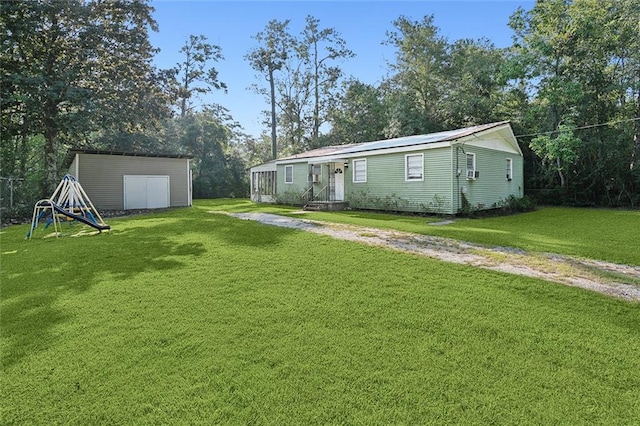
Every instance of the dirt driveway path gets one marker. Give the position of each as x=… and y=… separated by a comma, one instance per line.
x=616, y=280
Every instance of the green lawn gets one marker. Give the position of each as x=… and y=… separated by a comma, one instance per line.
x=196, y=318
x=611, y=235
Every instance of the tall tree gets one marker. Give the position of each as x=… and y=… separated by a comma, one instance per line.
x=194, y=75
x=474, y=83
x=581, y=61
x=319, y=48
x=271, y=54
x=420, y=69
x=293, y=97
x=218, y=168
x=74, y=67
x=359, y=114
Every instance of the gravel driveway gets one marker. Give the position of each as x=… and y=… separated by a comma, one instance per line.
x=607, y=278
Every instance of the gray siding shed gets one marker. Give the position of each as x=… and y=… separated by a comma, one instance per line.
x=101, y=174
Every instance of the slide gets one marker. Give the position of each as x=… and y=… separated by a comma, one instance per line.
x=79, y=218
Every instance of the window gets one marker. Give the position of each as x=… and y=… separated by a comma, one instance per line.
x=360, y=170
x=315, y=173
x=509, y=169
x=288, y=174
x=414, y=167
x=471, y=166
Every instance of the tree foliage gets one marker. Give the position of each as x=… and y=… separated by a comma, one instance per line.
x=580, y=61
x=359, y=114
x=71, y=68
x=307, y=81
x=193, y=75
x=268, y=57
x=76, y=73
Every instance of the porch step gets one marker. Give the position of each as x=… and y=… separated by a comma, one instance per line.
x=317, y=206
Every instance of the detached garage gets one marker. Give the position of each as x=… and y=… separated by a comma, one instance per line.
x=122, y=181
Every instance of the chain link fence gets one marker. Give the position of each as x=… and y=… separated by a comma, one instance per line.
x=17, y=197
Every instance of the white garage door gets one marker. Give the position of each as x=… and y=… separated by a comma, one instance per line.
x=146, y=192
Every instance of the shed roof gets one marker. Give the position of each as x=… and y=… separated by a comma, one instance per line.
x=130, y=154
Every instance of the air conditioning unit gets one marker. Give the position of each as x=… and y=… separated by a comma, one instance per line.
x=471, y=174
x=316, y=178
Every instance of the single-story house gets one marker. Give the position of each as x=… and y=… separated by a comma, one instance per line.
x=124, y=180
x=476, y=167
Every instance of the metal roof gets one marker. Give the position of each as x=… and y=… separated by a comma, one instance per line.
x=319, y=152
x=419, y=139
x=330, y=153
x=129, y=154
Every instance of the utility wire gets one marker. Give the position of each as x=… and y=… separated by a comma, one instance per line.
x=609, y=123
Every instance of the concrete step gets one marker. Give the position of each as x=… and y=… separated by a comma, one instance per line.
x=325, y=206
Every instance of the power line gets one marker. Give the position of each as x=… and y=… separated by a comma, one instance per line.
x=609, y=123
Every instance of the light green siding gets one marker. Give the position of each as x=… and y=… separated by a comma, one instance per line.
x=300, y=180
x=491, y=186
x=387, y=188
x=394, y=183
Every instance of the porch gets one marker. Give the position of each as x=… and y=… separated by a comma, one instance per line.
x=326, y=190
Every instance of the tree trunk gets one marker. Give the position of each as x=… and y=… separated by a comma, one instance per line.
x=50, y=131
x=274, y=145
x=563, y=182
x=635, y=149
x=316, y=106
x=50, y=177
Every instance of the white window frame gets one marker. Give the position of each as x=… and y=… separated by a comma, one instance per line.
x=290, y=167
x=354, y=164
x=509, y=170
x=470, y=176
x=407, y=178
x=312, y=169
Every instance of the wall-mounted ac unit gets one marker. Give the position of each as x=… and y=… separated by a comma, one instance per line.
x=470, y=174
x=316, y=178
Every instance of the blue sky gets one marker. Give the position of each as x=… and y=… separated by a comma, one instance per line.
x=363, y=25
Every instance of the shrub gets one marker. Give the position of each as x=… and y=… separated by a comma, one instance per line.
x=291, y=198
x=513, y=204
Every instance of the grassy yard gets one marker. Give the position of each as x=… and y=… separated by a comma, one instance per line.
x=601, y=234
x=197, y=318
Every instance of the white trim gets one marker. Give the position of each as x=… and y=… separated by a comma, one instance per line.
x=326, y=159
x=285, y=174
x=77, y=170
x=266, y=167
x=504, y=140
x=311, y=176
x=345, y=156
x=189, y=184
x=406, y=168
x=471, y=176
x=353, y=175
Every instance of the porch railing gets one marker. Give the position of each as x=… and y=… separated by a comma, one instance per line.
x=322, y=195
x=311, y=195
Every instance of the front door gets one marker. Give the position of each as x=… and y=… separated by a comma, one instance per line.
x=339, y=181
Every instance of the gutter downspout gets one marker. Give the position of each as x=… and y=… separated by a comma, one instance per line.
x=457, y=179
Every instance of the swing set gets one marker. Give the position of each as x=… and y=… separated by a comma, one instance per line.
x=68, y=203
